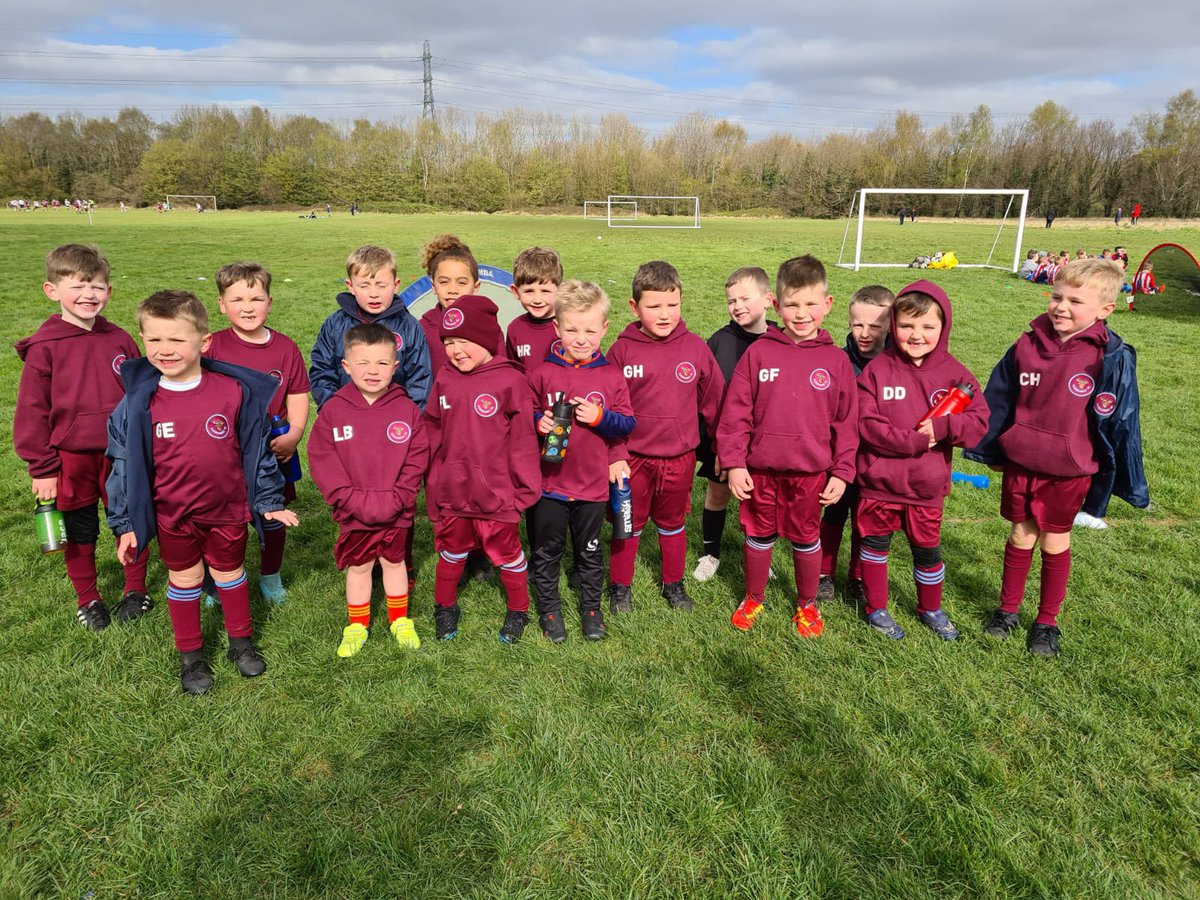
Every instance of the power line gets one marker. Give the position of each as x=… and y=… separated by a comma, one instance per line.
x=191, y=56
x=146, y=82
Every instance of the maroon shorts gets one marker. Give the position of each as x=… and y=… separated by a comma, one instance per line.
x=359, y=546
x=1050, y=501
x=81, y=479
x=501, y=541
x=662, y=489
x=223, y=547
x=784, y=504
x=922, y=525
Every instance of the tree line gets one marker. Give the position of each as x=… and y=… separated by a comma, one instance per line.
x=521, y=159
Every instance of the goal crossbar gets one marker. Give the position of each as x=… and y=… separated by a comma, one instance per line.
x=618, y=199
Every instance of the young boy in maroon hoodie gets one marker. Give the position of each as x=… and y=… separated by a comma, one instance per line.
x=70, y=384
x=537, y=273
x=244, y=297
x=367, y=453
x=904, y=456
x=673, y=381
x=483, y=469
x=575, y=487
x=788, y=435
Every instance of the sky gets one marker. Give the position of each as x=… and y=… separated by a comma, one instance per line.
x=774, y=66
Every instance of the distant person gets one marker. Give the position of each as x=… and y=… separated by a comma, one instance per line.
x=1050, y=216
x=1029, y=267
x=1117, y=216
x=903, y=213
x=1135, y=213
x=1081, y=254
x=328, y=210
x=1120, y=257
x=912, y=215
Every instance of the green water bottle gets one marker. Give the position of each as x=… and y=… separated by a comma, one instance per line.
x=51, y=527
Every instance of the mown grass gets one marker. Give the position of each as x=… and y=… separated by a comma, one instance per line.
x=678, y=758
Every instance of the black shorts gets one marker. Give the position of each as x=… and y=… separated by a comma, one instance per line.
x=706, y=455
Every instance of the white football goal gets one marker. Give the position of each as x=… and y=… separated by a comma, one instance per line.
x=599, y=209
x=206, y=201
x=653, y=211
x=979, y=236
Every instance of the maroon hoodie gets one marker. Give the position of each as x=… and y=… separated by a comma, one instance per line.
x=1049, y=433
x=791, y=407
x=367, y=459
x=431, y=323
x=895, y=462
x=672, y=382
x=483, y=443
x=70, y=385
x=529, y=340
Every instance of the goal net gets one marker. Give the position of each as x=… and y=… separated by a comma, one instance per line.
x=621, y=210
x=206, y=201
x=984, y=227
x=653, y=211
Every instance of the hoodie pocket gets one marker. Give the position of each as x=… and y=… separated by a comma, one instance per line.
x=89, y=431
x=1044, y=452
x=464, y=487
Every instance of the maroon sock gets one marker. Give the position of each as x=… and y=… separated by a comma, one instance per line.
x=235, y=605
x=622, y=556
x=183, y=605
x=1056, y=570
x=1016, y=571
x=515, y=578
x=806, y=564
x=81, y=569
x=756, y=564
x=274, y=540
x=874, y=565
x=673, y=547
x=445, y=580
x=831, y=544
x=408, y=557
x=135, y=574
x=930, y=581
x=855, y=553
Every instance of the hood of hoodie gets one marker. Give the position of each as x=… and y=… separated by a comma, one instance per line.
x=633, y=332
x=556, y=357
x=350, y=306
x=779, y=336
x=941, y=351
x=56, y=328
x=1048, y=343
x=350, y=395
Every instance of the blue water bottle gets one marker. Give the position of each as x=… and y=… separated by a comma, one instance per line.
x=620, y=499
x=291, y=468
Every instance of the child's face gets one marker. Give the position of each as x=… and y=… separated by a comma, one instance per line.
x=802, y=310
x=373, y=290
x=919, y=335
x=581, y=332
x=466, y=356
x=537, y=298
x=174, y=347
x=370, y=367
x=451, y=280
x=81, y=299
x=246, y=306
x=1075, y=309
x=747, y=304
x=658, y=312
x=868, y=326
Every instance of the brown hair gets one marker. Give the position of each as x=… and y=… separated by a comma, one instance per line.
x=76, y=259
x=580, y=296
x=800, y=272
x=873, y=295
x=368, y=334
x=753, y=274
x=916, y=303
x=251, y=273
x=537, y=264
x=655, y=275
x=369, y=260
x=444, y=247
x=173, y=305
x=1103, y=273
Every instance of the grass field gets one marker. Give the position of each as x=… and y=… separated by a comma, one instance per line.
x=678, y=758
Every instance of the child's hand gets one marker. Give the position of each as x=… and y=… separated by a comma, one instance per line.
x=286, y=516
x=46, y=489
x=126, y=548
x=740, y=483
x=834, y=488
x=284, y=446
x=587, y=412
x=546, y=423
x=926, y=428
x=618, y=472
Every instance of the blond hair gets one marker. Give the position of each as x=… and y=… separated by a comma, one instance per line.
x=537, y=264
x=82, y=260
x=172, y=305
x=251, y=273
x=580, y=296
x=873, y=295
x=1103, y=274
x=369, y=260
x=753, y=274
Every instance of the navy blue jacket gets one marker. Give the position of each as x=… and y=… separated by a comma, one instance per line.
x=130, y=447
x=1113, y=418
x=325, y=372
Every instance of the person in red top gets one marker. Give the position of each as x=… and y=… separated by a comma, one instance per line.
x=904, y=457
x=185, y=431
x=244, y=297
x=575, y=486
x=483, y=469
x=537, y=273
x=1135, y=213
x=788, y=435
x=673, y=381
x=70, y=384
x=455, y=273
x=367, y=453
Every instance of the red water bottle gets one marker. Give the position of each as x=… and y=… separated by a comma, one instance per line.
x=953, y=401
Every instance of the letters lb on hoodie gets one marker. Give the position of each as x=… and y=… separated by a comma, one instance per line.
x=791, y=407
x=672, y=382
x=895, y=462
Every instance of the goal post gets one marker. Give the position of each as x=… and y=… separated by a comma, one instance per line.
x=628, y=208
x=655, y=211
x=209, y=201
x=858, y=209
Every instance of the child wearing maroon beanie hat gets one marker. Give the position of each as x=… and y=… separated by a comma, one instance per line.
x=484, y=468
